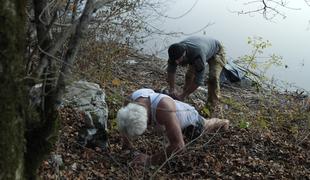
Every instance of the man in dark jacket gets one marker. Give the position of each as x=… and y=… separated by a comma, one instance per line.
x=196, y=52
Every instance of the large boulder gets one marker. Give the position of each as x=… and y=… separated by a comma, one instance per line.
x=89, y=99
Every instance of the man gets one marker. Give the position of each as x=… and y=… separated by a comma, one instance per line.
x=163, y=112
x=196, y=52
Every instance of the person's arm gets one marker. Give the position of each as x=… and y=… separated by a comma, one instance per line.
x=171, y=81
x=193, y=83
x=188, y=90
x=166, y=116
x=171, y=70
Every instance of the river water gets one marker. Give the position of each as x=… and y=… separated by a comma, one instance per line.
x=290, y=37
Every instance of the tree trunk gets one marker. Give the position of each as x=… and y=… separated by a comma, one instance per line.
x=27, y=135
x=12, y=93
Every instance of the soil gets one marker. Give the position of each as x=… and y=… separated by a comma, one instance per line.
x=268, y=137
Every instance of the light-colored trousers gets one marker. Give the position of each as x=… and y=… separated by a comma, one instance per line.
x=216, y=64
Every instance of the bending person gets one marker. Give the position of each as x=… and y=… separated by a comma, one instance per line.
x=163, y=112
x=196, y=52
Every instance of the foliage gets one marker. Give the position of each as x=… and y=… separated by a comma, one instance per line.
x=205, y=112
x=119, y=22
x=115, y=101
x=269, y=132
x=113, y=33
x=54, y=35
x=255, y=64
x=243, y=124
x=96, y=59
x=232, y=104
x=56, y=32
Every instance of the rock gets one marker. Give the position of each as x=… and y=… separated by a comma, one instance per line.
x=131, y=61
x=35, y=95
x=74, y=166
x=56, y=160
x=88, y=98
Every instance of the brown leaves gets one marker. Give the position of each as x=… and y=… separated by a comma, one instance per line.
x=251, y=153
x=116, y=82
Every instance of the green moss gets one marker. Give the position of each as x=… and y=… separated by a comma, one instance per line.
x=232, y=103
x=40, y=142
x=11, y=89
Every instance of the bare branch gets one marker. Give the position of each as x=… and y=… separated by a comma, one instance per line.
x=199, y=30
x=268, y=8
x=74, y=45
x=303, y=139
x=52, y=50
x=176, y=17
x=99, y=3
x=45, y=11
x=75, y=4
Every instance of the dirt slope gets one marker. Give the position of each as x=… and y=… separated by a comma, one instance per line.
x=268, y=138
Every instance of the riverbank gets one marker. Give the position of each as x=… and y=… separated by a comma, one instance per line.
x=268, y=137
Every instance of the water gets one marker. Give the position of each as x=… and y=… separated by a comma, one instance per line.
x=290, y=37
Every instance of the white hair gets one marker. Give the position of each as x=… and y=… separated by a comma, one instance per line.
x=132, y=119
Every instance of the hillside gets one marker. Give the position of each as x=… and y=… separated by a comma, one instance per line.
x=268, y=137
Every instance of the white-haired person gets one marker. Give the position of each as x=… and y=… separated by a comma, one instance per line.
x=155, y=109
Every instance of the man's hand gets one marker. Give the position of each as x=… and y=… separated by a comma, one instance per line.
x=187, y=90
x=181, y=97
x=173, y=92
x=171, y=82
x=175, y=95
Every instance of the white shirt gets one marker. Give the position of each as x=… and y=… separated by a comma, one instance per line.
x=186, y=114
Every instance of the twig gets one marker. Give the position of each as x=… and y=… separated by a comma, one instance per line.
x=176, y=17
x=303, y=139
x=269, y=8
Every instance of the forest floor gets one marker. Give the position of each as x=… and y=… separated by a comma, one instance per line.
x=268, y=137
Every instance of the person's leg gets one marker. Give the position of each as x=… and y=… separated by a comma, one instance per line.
x=214, y=124
x=216, y=64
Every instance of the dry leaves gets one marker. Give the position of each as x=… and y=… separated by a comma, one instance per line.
x=250, y=153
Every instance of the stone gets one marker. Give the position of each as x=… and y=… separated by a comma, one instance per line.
x=88, y=98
